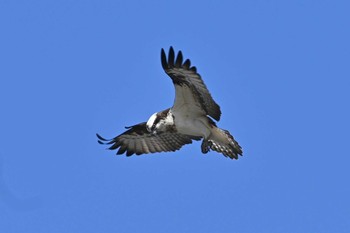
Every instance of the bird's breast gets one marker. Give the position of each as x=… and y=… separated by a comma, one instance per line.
x=185, y=124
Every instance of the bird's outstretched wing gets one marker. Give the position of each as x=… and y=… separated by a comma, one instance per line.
x=137, y=140
x=189, y=86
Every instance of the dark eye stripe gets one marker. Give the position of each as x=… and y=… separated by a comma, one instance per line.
x=153, y=127
x=156, y=122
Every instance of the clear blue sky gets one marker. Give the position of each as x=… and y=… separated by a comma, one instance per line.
x=70, y=69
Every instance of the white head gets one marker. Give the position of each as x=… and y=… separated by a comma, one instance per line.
x=160, y=121
x=150, y=125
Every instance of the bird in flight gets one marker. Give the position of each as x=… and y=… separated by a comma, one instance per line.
x=190, y=118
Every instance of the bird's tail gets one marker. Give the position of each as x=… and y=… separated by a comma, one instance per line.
x=222, y=141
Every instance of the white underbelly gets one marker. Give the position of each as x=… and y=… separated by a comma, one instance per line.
x=192, y=126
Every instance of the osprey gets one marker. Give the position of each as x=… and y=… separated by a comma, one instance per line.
x=190, y=118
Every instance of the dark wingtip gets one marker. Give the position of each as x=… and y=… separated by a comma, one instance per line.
x=104, y=141
x=171, y=57
x=163, y=59
x=129, y=153
x=187, y=64
x=179, y=59
x=121, y=150
x=101, y=138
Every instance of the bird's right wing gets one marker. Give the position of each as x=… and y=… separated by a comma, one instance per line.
x=137, y=140
x=189, y=86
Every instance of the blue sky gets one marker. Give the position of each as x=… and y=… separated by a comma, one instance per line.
x=70, y=69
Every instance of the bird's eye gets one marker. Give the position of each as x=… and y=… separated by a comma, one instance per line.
x=153, y=128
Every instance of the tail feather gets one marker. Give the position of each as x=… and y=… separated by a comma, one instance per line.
x=222, y=141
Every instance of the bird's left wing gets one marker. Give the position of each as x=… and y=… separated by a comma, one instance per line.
x=137, y=140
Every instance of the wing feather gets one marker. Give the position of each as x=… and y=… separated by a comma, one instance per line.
x=183, y=74
x=137, y=140
x=144, y=147
x=138, y=147
x=179, y=59
x=187, y=64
